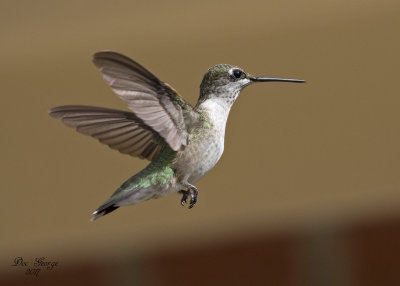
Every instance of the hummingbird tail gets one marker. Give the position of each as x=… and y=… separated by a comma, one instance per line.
x=103, y=210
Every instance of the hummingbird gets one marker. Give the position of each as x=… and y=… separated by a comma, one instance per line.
x=181, y=142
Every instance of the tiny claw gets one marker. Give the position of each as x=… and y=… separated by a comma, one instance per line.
x=184, y=197
x=193, y=199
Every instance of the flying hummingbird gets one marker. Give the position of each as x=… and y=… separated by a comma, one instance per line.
x=181, y=142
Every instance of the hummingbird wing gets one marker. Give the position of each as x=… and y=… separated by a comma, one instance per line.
x=121, y=130
x=154, y=102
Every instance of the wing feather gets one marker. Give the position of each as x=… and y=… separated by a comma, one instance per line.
x=160, y=116
x=120, y=130
x=153, y=101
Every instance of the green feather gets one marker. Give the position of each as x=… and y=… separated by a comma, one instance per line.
x=158, y=172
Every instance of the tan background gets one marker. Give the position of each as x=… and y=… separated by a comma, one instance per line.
x=296, y=157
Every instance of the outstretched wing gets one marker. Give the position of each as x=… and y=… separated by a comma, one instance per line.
x=151, y=100
x=120, y=130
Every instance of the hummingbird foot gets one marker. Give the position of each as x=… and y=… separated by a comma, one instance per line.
x=187, y=193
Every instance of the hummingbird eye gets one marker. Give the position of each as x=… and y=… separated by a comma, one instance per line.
x=237, y=73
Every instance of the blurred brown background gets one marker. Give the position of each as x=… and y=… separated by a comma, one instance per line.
x=308, y=189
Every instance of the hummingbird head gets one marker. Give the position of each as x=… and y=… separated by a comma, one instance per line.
x=225, y=82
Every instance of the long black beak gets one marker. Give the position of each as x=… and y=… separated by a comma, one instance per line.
x=261, y=79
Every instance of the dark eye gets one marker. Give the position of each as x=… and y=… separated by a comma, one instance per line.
x=237, y=73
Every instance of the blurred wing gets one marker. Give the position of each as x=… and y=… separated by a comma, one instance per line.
x=122, y=131
x=151, y=100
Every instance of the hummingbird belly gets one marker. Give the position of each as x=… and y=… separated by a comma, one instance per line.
x=199, y=156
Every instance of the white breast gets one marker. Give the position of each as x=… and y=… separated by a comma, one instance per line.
x=204, y=152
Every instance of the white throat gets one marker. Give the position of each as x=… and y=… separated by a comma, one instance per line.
x=217, y=110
